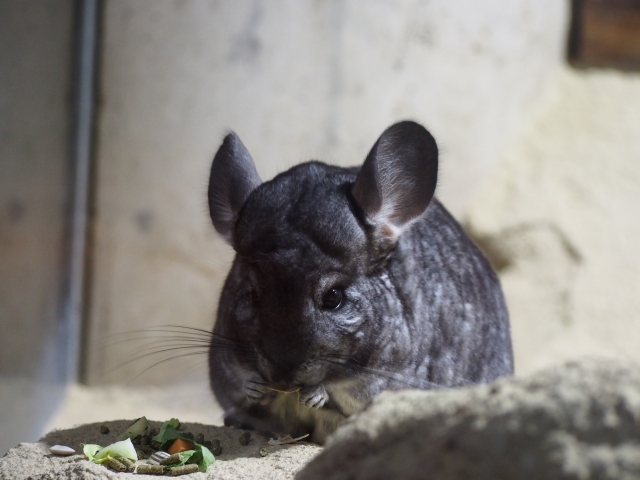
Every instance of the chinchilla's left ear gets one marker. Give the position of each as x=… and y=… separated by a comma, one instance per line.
x=398, y=179
x=233, y=177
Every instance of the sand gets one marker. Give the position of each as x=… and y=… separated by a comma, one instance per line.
x=33, y=460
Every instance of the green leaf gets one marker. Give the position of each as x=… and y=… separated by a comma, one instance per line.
x=207, y=458
x=135, y=429
x=167, y=429
x=90, y=450
x=169, y=436
x=98, y=454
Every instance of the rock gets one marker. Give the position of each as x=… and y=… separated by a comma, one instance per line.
x=61, y=450
x=578, y=421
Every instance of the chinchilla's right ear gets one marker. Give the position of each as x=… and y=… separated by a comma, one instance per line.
x=233, y=177
x=397, y=180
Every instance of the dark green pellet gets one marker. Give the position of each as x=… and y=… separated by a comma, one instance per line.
x=208, y=444
x=145, y=440
x=155, y=431
x=147, y=449
x=155, y=444
x=104, y=429
x=141, y=455
x=171, y=459
x=244, y=438
x=188, y=435
x=151, y=469
x=216, y=449
x=130, y=464
x=184, y=469
x=136, y=441
x=116, y=464
x=200, y=438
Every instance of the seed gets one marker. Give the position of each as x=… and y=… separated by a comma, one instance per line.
x=244, y=438
x=61, y=450
x=116, y=464
x=157, y=457
x=264, y=452
x=184, y=469
x=151, y=469
x=216, y=449
x=130, y=464
x=145, y=440
x=200, y=438
x=171, y=459
x=104, y=429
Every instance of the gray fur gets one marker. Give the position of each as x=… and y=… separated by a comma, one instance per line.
x=423, y=307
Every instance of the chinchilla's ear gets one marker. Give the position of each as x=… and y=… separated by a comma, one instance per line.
x=233, y=177
x=398, y=179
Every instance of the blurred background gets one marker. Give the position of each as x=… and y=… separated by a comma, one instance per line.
x=111, y=112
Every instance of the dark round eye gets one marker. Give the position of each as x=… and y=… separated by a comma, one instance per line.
x=333, y=298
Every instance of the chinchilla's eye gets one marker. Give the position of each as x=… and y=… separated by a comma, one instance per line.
x=333, y=298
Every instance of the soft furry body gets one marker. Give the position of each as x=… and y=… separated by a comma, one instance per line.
x=424, y=310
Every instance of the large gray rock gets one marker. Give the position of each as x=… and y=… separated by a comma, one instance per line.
x=578, y=421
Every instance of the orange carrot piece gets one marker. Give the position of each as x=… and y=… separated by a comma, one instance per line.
x=180, y=445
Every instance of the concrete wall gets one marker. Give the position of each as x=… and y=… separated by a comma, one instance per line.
x=296, y=80
x=35, y=75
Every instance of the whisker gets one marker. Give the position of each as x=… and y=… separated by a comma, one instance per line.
x=161, y=362
x=422, y=384
x=158, y=339
x=199, y=333
x=169, y=335
x=144, y=355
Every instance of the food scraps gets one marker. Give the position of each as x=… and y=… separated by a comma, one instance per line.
x=172, y=441
x=177, y=453
x=285, y=439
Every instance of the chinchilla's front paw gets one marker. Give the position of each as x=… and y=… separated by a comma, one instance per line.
x=314, y=397
x=257, y=391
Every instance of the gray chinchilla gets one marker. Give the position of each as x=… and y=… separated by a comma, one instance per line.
x=346, y=282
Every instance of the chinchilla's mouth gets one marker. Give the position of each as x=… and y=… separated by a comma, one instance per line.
x=282, y=388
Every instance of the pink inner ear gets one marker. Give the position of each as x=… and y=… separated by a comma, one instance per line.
x=387, y=231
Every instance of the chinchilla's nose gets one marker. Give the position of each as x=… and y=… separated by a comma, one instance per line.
x=277, y=369
x=283, y=373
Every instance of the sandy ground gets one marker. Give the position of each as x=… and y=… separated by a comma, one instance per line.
x=32, y=460
x=84, y=409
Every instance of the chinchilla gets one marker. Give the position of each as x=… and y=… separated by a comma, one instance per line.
x=346, y=282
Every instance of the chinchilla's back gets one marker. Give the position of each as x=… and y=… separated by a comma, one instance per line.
x=457, y=326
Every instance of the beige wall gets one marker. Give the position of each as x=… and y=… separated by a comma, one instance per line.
x=297, y=80
x=562, y=211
